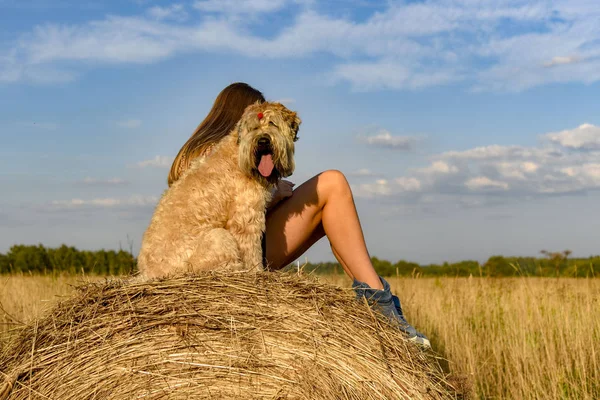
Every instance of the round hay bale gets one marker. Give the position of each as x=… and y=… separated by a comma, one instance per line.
x=216, y=335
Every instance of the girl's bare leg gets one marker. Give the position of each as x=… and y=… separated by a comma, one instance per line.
x=321, y=206
x=324, y=206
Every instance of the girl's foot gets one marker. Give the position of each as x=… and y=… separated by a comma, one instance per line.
x=389, y=305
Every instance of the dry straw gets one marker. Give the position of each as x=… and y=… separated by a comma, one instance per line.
x=218, y=335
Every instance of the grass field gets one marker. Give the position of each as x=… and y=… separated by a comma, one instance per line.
x=521, y=338
x=25, y=297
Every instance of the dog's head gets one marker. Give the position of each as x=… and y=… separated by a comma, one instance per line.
x=266, y=135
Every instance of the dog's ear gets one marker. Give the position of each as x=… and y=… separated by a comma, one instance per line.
x=293, y=121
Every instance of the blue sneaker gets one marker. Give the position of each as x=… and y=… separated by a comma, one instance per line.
x=420, y=339
x=389, y=305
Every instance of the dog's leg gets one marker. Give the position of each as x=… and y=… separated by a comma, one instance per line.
x=251, y=250
x=216, y=249
x=247, y=226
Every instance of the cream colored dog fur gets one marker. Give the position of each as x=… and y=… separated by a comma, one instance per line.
x=214, y=215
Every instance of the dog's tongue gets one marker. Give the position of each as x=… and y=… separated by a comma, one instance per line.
x=265, y=167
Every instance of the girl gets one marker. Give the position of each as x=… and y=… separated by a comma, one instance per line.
x=297, y=219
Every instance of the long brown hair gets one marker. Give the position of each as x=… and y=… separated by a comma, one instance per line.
x=225, y=113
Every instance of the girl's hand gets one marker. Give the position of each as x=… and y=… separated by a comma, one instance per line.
x=283, y=190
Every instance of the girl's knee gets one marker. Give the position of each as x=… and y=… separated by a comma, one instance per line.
x=334, y=181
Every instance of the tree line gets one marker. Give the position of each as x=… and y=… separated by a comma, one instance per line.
x=550, y=264
x=67, y=259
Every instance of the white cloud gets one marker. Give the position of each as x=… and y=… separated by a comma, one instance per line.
x=174, y=12
x=103, y=182
x=483, y=182
x=503, y=172
x=130, y=123
x=439, y=171
x=380, y=187
x=14, y=68
x=528, y=167
x=112, y=40
x=523, y=60
x=497, y=152
x=584, y=137
x=516, y=170
x=385, y=139
x=587, y=174
x=562, y=61
x=158, y=161
x=438, y=167
x=363, y=172
x=408, y=184
x=391, y=75
x=408, y=45
x=239, y=6
x=133, y=201
x=384, y=187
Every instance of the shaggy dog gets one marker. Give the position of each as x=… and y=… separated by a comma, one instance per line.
x=214, y=215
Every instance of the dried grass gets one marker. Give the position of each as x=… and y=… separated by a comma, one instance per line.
x=226, y=335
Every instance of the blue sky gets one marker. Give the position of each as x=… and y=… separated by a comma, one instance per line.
x=466, y=128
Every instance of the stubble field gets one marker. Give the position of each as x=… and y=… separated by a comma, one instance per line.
x=511, y=338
